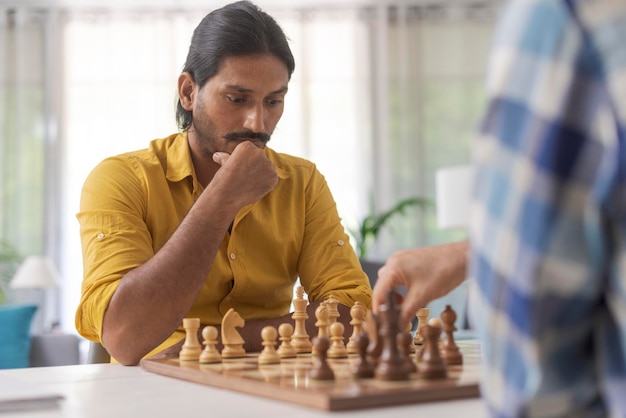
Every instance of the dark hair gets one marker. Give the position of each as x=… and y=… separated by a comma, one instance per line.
x=237, y=29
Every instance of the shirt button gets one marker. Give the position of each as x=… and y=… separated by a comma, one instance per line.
x=100, y=235
x=232, y=256
x=340, y=242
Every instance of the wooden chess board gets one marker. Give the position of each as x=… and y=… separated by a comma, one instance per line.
x=289, y=381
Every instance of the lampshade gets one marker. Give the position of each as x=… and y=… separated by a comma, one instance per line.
x=35, y=272
x=453, y=187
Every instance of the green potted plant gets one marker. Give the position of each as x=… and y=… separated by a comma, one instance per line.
x=9, y=261
x=368, y=230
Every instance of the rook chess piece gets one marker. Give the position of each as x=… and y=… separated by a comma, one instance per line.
x=300, y=339
x=191, y=348
x=269, y=354
x=321, y=370
x=210, y=354
x=286, y=349
x=422, y=318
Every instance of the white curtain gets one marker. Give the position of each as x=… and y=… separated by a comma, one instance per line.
x=382, y=96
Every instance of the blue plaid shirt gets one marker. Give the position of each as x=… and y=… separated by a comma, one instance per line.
x=548, y=230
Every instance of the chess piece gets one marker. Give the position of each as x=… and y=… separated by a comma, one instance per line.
x=431, y=365
x=411, y=347
x=231, y=339
x=361, y=368
x=210, y=354
x=422, y=318
x=357, y=313
x=337, y=347
x=391, y=364
x=286, y=349
x=450, y=351
x=321, y=314
x=375, y=347
x=405, y=341
x=269, y=354
x=191, y=348
x=333, y=312
x=320, y=369
x=300, y=339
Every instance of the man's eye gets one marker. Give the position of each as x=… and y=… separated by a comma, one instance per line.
x=235, y=99
x=274, y=101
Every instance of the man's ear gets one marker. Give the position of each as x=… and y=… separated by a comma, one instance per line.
x=186, y=91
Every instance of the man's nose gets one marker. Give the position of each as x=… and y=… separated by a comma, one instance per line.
x=255, y=119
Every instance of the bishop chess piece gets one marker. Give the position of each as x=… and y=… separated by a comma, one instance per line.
x=357, y=313
x=391, y=364
x=321, y=314
x=450, y=351
x=191, y=348
x=210, y=354
x=300, y=339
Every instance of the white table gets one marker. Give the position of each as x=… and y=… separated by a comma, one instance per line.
x=112, y=390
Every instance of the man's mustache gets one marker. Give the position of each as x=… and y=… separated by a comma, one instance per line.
x=248, y=135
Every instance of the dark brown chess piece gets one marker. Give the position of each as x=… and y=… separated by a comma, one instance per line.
x=321, y=370
x=405, y=340
x=361, y=368
x=391, y=364
x=431, y=365
x=450, y=351
x=375, y=347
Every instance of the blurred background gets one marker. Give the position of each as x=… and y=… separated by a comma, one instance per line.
x=384, y=94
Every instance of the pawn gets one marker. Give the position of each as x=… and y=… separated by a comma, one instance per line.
x=431, y=365
x=450, y=351
x=337, y=347
x=362, y=369
x=191, y=348
x=269, y=354
x=210, y=354
x=321, y=370
x=405, y=341
x=286, y=350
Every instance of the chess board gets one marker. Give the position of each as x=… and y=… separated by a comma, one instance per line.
x=289, y=381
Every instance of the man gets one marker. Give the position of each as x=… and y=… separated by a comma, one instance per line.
x=548, y=237
x=210, y=218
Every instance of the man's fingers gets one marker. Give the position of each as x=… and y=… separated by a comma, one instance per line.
x=221, y=157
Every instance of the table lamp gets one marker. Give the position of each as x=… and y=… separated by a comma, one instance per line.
x=37, y=272
x=453, y=188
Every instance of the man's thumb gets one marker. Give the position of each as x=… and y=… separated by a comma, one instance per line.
x=220, y=157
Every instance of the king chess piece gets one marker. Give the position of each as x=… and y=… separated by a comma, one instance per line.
x=300, y=339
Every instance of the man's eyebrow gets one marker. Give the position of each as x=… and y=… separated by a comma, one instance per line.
x=241, y=89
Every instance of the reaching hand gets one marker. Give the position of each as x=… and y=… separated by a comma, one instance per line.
x=246, y=173
x=427, y=273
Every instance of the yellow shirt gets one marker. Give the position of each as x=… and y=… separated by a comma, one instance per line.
x=132, y=203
